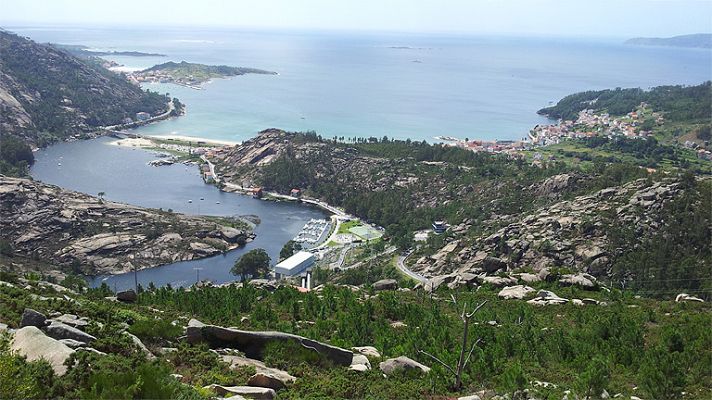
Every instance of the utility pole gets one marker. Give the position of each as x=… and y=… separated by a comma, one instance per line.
x=136, y=279
x=197, y=275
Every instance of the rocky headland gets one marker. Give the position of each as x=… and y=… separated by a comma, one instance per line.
x=82, y=233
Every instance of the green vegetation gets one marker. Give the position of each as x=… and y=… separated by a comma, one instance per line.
x=650, y=153
x=289, y=249
x=678, y=102
x=662, y=347
x=675, y=258
x=63, y=95
x=185, y=71
x=15, y=156
x=344, y=227
x=253, y=264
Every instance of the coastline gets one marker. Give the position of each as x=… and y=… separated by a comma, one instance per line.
x=197, y=139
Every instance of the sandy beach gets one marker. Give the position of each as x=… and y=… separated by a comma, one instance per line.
x=195, y=139
x=133, y=142
x=146, y=141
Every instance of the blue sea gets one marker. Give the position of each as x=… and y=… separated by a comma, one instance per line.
x=375, y=84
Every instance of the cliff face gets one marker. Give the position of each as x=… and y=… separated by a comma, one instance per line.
x=46, y=91
x=71, y=229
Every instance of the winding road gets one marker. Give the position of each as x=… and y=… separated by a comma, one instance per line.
x=400, y=263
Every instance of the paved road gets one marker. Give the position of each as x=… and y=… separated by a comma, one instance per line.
x=403, y=268
x=117, y=128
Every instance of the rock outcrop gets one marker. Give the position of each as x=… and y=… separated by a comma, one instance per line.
x=33, y=344
x=70, y=228
x=252, y=343
x=569, y=233
x=58, y=330
x=385, y=284
x=250, y=392
x=34, y=318
x=402, y=363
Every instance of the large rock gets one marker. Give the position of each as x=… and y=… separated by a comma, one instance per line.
x=545, y=298
x=74, y=344
x=402, y=363
x=360, y=363
x=686, y=297
x=192, y=331
x=368, y=351
x=249, y=392
x=72, y=320
x=30, y=342
x=515, y=292
x=585, y=281
x=34, y=318
x=493, y=264
x=498, y=281
x=128, y=296
x=252, y=343
x=385, y=284
x=140, y=345
x=270, y=380
x=260, y=368
x=58, y=330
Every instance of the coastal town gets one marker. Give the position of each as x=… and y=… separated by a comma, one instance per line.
x=637, y=124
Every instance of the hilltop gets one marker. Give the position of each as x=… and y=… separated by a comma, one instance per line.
x=47, y=94
x=697, y=40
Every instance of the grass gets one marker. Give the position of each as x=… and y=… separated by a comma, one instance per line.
x=344, y=227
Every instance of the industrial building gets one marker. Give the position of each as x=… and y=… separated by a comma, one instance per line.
x=295, y=264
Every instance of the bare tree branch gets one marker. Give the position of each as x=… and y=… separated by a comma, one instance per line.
x=471, y=350
x=438, y=360
x=476, y=309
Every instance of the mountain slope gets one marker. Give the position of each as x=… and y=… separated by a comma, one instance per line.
x=46, y=93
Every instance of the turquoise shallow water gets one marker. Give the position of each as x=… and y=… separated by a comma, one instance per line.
x=398, y=85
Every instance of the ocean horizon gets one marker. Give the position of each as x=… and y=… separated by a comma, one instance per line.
x=415, y=86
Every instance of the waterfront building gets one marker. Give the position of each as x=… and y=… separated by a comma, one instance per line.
x=295, y=265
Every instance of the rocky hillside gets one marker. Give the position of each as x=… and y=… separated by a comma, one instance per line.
x=46, y=93
x=82, y=233
x=391, y=183
x=571, y=234
x=615, y=221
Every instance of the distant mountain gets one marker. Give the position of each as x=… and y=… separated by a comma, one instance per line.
x=47, y=94
x=84, y=51
x=697, y=40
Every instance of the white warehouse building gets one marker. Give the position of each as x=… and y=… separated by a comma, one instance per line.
x=295, y=264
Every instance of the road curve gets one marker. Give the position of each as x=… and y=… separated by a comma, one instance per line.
x=403, y=268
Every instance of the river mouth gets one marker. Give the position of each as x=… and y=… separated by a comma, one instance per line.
x=123, y=174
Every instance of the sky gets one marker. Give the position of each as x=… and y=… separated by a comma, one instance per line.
x=611, y=18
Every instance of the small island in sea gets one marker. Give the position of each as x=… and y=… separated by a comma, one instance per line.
x=697, y=40
x=191, y=74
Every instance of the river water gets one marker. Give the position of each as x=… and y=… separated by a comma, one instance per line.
x=94, y=166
